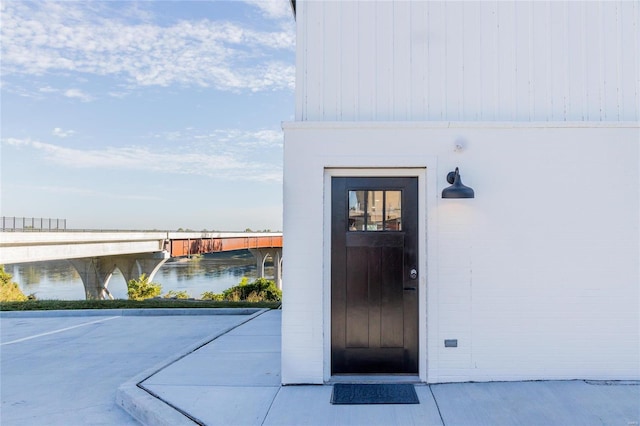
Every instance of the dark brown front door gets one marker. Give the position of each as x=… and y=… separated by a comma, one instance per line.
x=374, y=283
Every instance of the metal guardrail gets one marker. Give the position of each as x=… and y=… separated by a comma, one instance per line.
x=36, y=224
x=32, y=224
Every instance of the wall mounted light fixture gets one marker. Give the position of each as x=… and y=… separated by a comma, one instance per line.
x=457, y=189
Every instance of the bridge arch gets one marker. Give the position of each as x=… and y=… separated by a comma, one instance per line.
x=96, y=272
x=261, y=255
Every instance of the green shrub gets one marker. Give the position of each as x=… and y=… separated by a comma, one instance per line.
x=158, y=302
x=141, y=288
x=261, y=290
x=9, y=290
x=209, y=295
x=254, y=297
x=177, y=295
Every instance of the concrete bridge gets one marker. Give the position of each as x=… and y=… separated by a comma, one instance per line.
x=96, y=254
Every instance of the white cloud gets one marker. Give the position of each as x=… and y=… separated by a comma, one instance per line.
x=86, y=192
x=62, y=133
x=61, y=37
x=229, y=164
x=275, y=9
x=28, y=91
x=119, y=95
x=77, y=94
x=228, y=139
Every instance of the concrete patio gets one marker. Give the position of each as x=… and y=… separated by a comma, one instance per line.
x=235, y=380
x=179, y=368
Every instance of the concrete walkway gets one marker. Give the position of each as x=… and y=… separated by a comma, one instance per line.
x=235, y=380
x=220, y=368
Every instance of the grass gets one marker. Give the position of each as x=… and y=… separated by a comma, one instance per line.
x=48, y=305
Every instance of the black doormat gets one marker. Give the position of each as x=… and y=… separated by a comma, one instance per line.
x=345, y=393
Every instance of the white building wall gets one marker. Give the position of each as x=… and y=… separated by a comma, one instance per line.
x=468, y=61
x=537, y=277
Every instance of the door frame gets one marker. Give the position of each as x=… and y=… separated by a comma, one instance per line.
x=427, y=213
x=371, y=347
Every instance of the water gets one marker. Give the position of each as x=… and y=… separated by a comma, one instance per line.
x=59, y=280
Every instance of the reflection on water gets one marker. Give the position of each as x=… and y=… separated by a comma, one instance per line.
x=48, y=280
x=59, y=280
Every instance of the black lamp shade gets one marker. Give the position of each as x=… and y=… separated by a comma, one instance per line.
x=457, y=189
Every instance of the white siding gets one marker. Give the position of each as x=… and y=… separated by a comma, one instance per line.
x=468, y=61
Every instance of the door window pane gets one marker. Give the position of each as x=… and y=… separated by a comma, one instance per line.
x=356, y=210
x=393, y=211
x=375, y=210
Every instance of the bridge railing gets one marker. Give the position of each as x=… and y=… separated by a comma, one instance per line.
x=32, y=224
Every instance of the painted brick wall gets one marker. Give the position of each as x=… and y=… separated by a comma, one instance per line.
x=537, y=277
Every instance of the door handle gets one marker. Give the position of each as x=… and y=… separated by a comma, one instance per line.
x=413, y=274
x=410, y=288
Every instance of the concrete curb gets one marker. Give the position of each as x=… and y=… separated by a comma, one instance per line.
x=129, y=312
x=149, y=409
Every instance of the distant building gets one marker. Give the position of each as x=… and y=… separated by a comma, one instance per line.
x=537, y=277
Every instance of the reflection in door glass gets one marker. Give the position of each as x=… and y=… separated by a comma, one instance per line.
x=356, y=210
x=375, y=210
x=393, y=211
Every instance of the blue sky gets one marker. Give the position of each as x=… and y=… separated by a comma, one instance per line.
x=146, y=114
